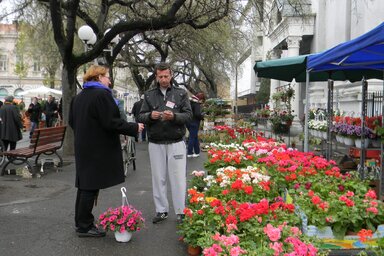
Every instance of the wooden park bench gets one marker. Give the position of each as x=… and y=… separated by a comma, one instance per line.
x=43, y=141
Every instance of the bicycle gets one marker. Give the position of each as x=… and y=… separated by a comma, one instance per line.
x=128, y=149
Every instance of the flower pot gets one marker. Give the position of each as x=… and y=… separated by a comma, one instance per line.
x=325, y=232
x=123, y=237
x=376, y=143
x=324, y=135
x=194, y=250
x=358, y=143
x=351, y=233
x=349, y=141
x=312, y=132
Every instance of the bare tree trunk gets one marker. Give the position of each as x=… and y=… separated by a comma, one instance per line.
x=69, y=91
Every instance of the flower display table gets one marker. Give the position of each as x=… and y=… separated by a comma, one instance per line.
x=353, y=242
x=370, y=153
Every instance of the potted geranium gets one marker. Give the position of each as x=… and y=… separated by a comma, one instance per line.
x=123, y=221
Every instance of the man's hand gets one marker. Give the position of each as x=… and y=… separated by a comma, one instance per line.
x=168, y=115
x=140, y=127
x=156, y=115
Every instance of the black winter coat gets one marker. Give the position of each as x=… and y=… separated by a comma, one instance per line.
x=136, y=109
x=50, y=108
x=160, y=131
x=196, y=110
x=95, y=120
x=10, y=124
x=34, y=112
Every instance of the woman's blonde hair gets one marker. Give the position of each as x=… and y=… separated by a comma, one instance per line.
x=94, y=72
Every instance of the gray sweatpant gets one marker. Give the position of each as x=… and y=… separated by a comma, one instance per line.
x=171, y=159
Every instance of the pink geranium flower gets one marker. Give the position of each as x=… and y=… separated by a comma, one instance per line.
x=121, y=218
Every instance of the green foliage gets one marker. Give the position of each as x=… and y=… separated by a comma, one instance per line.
x=197, y=182
x=380, y=132
x=262, y=96
x=215, y=108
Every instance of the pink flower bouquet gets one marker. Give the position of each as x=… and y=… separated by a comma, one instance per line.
x=122, y=218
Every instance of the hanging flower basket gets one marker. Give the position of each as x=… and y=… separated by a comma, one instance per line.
x=280, y=128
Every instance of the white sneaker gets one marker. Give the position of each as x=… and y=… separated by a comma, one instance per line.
x=195, y=155
x=189, y=156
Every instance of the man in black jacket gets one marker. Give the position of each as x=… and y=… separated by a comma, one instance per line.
x=34, y=112
x=50, y=111
x=165, y=111
x=136, y=111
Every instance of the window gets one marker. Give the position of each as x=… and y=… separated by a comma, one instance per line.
x=3, y=62
x=36, y=66
x=17, y=92
x=3, y=92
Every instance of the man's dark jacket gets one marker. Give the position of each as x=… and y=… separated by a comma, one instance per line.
x=136, y=109
x=34, y=111
x=160, y=131
x=96, y=123
x=50, y=108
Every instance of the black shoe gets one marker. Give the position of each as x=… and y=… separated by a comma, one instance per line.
x=93, y=232
x=180, y=218
x=160, y=216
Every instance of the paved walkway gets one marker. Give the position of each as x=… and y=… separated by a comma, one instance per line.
x=36, y=215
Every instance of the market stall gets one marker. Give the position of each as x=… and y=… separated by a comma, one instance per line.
x=357, y=60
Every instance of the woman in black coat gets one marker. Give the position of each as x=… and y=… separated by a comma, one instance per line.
x=11, y=124
x=96, y=123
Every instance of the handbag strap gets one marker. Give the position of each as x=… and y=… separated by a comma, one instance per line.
x=124, y=199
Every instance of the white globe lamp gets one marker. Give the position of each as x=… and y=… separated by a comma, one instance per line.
x=86, y=34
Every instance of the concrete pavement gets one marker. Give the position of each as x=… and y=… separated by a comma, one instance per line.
x=37, y=215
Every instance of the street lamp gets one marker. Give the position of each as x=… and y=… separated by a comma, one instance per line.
x=113, y=42
x=87, y=35
x=89, y=38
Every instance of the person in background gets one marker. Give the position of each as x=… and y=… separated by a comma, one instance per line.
x=60, y=109
x=193, y=149
x=136, y=111
x=34, y=112
x=165, y=111
x=120, y=104
x=1, y=103
x=50, y=111
x=97, y=125
x=11, y=124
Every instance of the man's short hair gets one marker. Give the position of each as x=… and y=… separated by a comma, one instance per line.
x=9, y=99
x=162, y=66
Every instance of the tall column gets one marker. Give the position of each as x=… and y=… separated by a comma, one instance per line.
x=274, y=54
x=293, y=43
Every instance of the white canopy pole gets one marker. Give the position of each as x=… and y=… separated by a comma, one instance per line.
x=306, y=137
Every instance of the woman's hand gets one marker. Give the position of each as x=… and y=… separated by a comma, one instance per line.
x=140, y=127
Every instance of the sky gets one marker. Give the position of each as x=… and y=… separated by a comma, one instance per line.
x=6, y=6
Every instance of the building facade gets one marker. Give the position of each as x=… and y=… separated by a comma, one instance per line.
x=326, y=24
x=13, y=84
x=10, y=82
